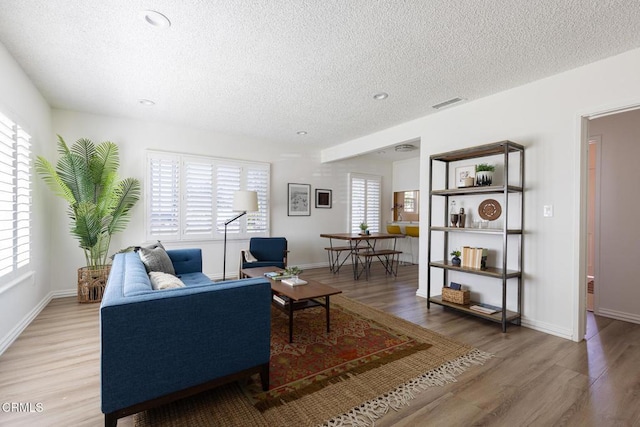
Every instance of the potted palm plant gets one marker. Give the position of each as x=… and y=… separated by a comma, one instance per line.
x=85, y=176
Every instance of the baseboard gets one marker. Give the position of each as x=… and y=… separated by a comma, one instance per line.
x=619, y=315
x=64, y=293
x=548, y=328
x=22, y=325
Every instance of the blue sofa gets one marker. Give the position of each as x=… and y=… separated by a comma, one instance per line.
x=158, y=346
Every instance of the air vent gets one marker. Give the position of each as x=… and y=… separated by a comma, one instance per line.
x=447, y=103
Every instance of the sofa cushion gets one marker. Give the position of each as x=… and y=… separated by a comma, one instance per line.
x=155, y=258
x=160, y=280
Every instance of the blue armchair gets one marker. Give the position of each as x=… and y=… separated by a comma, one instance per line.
x=265, y=251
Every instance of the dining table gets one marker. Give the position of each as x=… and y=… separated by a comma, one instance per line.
x=365, y=245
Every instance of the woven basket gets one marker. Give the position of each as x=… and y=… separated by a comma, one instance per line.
x=458, y=297
x=92, y=283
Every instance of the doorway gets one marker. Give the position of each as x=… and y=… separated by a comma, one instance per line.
x=612, y=237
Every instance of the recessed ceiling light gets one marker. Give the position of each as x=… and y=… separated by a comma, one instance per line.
x=302, y=132
x=156, y=19
x=380, y=96
x=146, y=102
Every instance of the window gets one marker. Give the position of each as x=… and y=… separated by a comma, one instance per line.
x=15, y=197
x=191, y=197
x=410, y=201
x=364, y=194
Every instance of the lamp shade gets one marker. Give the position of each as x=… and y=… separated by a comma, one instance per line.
x=246, y=201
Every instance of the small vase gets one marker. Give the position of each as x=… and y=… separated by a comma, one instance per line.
x=455, y=261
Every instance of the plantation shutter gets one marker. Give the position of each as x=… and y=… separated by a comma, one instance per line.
x=358, y=203
x=258, y=180
x=227, y=183
x=365, y=194
x=15, y=197
x=198, y=201
x=373, y=204
x=23, y=198
x=164, y=196
x=191, y=197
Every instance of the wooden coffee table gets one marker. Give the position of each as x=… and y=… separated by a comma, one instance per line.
x=301, y=297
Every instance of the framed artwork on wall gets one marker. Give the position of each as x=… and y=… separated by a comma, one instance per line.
x=299, y=200
x=323, y=198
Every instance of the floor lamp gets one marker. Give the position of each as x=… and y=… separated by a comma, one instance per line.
x=243, y=201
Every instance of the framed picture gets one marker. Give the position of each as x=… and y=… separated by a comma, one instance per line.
x=465, y=176
x=323, y=198
x=299, y=200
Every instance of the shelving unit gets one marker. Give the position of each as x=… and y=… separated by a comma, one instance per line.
x=500, y=272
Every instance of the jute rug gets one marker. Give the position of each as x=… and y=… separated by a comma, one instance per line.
x=370, y=362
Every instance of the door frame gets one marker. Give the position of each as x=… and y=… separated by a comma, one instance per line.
x=596, y=140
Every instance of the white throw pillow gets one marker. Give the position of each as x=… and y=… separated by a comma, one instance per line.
x=160, y=280
x=248, y=257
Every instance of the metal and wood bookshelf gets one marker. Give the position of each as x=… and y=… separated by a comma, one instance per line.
x=510, y=235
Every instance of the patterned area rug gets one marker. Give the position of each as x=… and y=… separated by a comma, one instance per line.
x=370, y=362
x=316, y=358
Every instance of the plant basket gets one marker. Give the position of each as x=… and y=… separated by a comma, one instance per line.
x=92, y=283
x=455, y=296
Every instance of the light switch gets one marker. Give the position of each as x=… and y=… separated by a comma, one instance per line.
x=547, y=211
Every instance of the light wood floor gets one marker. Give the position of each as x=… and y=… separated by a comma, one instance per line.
x=534, y=378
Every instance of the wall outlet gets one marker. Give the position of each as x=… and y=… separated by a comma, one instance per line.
x=547, y=211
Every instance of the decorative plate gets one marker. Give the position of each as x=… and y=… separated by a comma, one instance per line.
x=489, y=209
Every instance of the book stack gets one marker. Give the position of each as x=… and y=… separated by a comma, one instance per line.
x=474, y=257
x=281, y=299
x=277, y=275
x=485, y=308
x=294, y=281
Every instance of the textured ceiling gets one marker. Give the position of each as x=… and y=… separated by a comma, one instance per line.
x=269, y=68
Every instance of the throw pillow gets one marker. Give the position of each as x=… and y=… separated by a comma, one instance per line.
x=248, y=257
x=160, y=280
x=155, y=258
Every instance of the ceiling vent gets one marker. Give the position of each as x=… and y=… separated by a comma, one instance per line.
x=447, y=103
x=403, y=148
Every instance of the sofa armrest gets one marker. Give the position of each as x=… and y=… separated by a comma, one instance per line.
x=165, y=341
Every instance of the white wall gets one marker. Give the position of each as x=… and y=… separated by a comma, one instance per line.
x=544, y=116
x=406, y=174
x=618, y=292
x=21, y=300
x=300, y=165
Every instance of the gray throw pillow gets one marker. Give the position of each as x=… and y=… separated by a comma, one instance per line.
x=155, y=258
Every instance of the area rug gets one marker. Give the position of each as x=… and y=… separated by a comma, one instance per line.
x=370, y=362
